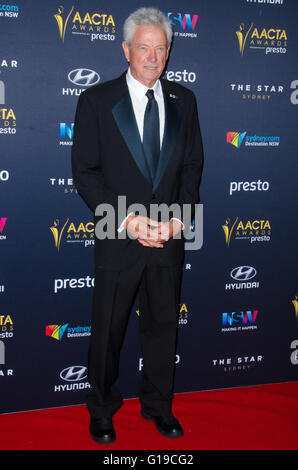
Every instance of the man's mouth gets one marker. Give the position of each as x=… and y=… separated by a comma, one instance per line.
x=151, y=67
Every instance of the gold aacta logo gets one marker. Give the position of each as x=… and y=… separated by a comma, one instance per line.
x=295, y=303
x=228, y=230
x=59, y=19
x=181, y=309
x=241, y=37
x=56, y=234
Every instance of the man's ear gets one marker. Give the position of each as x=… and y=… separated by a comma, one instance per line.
x=168, y=51
x=126, y=51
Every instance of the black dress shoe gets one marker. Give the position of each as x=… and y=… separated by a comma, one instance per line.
x=168, y=426
x=102, y=430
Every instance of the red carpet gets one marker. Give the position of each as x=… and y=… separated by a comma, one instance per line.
x=248, y=418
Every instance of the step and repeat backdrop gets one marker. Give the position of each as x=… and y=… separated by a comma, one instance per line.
x=238, y=318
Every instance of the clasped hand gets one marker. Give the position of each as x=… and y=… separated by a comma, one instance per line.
x=151, y=233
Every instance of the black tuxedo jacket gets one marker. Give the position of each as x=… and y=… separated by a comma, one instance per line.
x=108, y=161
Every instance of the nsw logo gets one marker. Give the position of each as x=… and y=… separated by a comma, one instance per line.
x=2, y=223
x=184, y=25
x=239, y=321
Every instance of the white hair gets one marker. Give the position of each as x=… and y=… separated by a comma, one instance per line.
x=146, y=16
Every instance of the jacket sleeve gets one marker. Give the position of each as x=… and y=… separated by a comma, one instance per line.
x=86, y=161
x=192, y=167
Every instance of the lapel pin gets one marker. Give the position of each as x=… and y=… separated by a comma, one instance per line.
x=173, y=96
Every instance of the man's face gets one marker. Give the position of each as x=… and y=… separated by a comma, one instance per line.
x=147, y=54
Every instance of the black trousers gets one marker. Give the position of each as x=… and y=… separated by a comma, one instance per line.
x=114, y=294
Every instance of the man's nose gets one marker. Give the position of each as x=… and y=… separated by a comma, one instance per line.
x=152, y=55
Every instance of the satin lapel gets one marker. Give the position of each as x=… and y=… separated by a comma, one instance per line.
x=172, y=125
x=124, y=116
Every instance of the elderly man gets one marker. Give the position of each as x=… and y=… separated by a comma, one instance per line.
x=137, y=137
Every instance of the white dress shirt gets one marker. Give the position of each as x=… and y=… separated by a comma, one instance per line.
x=139, y=100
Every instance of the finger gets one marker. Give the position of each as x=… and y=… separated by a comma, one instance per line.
x=150, y=244
x=152, y=222
x=165, y=233
x=143, y=242
x=148, y=233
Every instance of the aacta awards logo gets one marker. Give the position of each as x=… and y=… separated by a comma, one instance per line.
x=7, y=115
x=6, y=326
x=57, y=233
x=295, y=303
x=72, y=232
x=270, y=40
x=251, y=230
x=97, y=26
x=183, y=316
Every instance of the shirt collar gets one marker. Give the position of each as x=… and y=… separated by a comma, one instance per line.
x=139, y=89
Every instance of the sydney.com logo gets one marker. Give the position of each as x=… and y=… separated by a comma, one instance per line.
x=236, y=139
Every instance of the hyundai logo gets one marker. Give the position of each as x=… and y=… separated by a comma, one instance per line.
x=74, y=373
x=83, y=77
x=243, y=273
